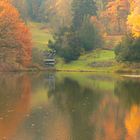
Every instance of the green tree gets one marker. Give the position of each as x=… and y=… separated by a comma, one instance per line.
x=67, y=45
x=81, y=36
x=128, y=49
x=89, y=36
x=82, y=9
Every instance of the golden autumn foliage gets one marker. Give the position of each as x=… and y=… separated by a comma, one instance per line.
x=115, y=15
x=13, y=32
x=134, y=18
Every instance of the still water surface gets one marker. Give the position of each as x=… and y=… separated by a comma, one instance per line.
x=69, y=106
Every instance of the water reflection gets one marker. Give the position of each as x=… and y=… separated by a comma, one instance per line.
x=15, y=95
x=128, y=91
x=79, y=103
x=52, y=106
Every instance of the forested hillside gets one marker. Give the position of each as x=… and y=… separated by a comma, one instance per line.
x=55, y=12
x=75, y=28
x=112, y=14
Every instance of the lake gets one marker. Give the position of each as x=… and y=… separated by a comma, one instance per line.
x=69, y=106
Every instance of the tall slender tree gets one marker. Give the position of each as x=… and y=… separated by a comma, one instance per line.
x=81, y=9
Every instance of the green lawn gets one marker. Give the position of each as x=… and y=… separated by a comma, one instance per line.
x=99, y=59
x=40, y=35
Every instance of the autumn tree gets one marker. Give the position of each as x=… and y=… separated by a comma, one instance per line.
x=134, y=18
x=115, y=15
x=14, y=35
x=129, y=48
x=58, y=13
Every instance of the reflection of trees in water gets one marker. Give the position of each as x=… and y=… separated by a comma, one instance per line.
x=81, y=112
x=10, y=91
x=132, y=123
x=35, y=125
x=128, y=91
x=45, y=80
x=79, y=102
x=15, y=92
x=109, y=119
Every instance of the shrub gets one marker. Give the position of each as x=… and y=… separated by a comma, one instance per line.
x=67, y=45
x=89, y=36
x=128, y=50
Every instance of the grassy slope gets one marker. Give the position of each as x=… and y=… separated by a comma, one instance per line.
x=99, y=59
x=40, y=34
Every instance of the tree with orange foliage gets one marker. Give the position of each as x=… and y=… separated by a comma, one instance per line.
x=14, y=35
x=115, y=15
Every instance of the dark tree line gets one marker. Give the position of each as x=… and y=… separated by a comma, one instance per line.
x=128, y=50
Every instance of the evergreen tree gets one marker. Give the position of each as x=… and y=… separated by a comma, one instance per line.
x=89, y=36
x=81, y=9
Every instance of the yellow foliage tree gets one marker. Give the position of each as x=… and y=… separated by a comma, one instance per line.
x=134, y=18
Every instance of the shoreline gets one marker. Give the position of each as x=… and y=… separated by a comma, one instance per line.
x=119, y=71
x=124, y=74
x=119, y=68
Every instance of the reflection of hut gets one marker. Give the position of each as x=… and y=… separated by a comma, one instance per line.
x=50, y=79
